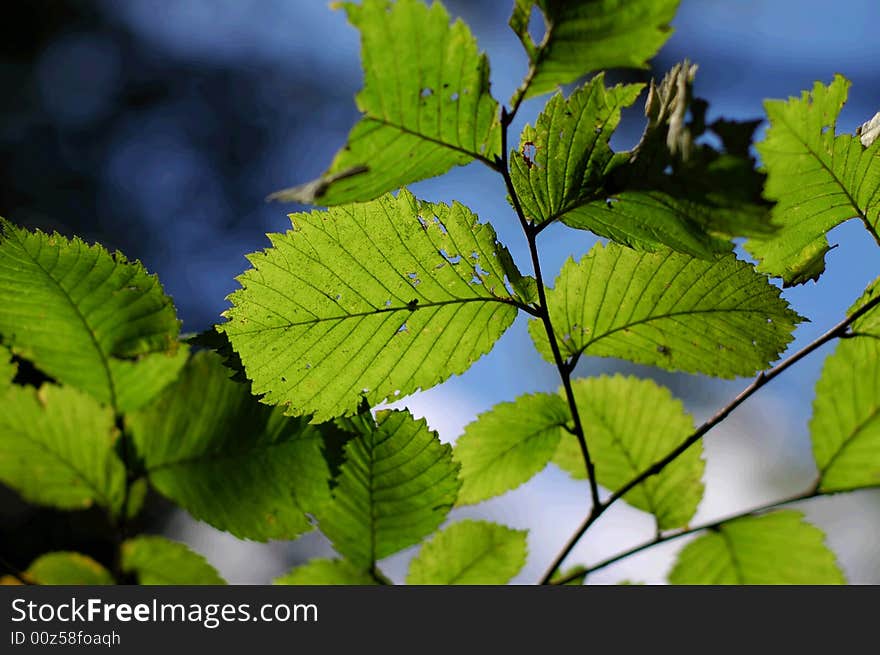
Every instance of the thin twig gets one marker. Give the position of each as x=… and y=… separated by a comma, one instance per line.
x=662, y=538
x=561, y=365
x=763, y=378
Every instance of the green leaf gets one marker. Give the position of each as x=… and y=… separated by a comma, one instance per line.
x=425, y=103
x=506, y=446
x=582, y=37
x=817, y=178
x=57, y=447
x=82, y=315
x=470, y=553
x=326, y=572
x=374, y=301
x=160, y=561
x=212, y=448
x=671, y=190
x=776, y=548
x=631, y=424
x=67, y=568
x=868, y=324
x=396, y=486
x=668, y=310
x=845, y=427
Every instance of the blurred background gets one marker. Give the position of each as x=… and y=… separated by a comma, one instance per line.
x=159, y=126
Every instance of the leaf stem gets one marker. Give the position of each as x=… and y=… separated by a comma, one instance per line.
x=763, y=378
x=670, y=536
x=562, y=365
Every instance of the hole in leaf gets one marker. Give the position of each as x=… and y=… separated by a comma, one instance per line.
x=476, y=280
x=400, y=330
x=528, y=150
x=475, y=254
x=537, y=27
x=423, y=223
x=427, y=92
x=452, y=259
x=388, y=303
x=283, y=379
x=454, y=97
x=440, y=225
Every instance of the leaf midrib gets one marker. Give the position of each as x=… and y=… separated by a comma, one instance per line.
x=66, y=296
x=385, y=310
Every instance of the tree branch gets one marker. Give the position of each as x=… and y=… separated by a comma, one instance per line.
x=662, y=538
x=763, y=378
x=561, y=365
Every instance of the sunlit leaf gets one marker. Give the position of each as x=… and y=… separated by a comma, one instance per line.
x=396, y=486
x=326, y=572
x=374, y=301
x=818, y=179
x=669, y=310
x=159, y=561
x=470, y=553
x=583, y=37
x=425, y=103
x=507, y=445
x=631, y=424
x=845, y=427
x=67, y=568
x=776, y=548
x=84, y=316
x=57, y=447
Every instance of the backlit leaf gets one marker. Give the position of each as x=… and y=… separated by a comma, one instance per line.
x=326, y=572
x=506, y=446
x=396, y=486
x=84, y=316
x=818, y=179
x=374, y=301
x=668, y=310
x=57, y=447
x=67, y=568
x=776, y=548
x=160, y=561
x=470, y=553
x=425, y=103
x=845, y=427
x=630, y=424
x=583, y=37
